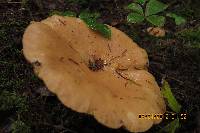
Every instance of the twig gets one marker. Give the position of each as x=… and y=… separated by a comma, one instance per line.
x=109, y=47
x=123, y=54
x=117, y=71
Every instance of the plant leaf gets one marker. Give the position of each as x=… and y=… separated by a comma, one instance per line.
x=140, y=1
x=135, y=7
x=90, y=20
x=167, y=93
x=178, y=19
x=103, y=29
x=171, y=127
x=156, y=20
x=65, y=13
x=86, y=14
x=154, y=7
x=135, y=18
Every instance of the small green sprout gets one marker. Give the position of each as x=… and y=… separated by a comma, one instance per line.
x=174, y=105
x=171, y=100
x=150, y=13
x=178, y=19
x=90, y=20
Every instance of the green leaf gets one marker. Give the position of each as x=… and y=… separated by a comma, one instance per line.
x=103, y=29
x=135, y=18
x=142, y=2
x=172, y=102
x=156, y=20
x=86, y=14
x=90, y=20
x=135, y=7
x=171, y=127
x=178, y=19
x=66, y=13
x=154, y=7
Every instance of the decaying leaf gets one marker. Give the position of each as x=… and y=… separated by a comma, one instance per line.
x=156, y=31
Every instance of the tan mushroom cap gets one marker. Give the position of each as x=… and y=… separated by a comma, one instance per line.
x=91, y=74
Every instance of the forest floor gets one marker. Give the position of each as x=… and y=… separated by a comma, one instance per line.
x=25, y=104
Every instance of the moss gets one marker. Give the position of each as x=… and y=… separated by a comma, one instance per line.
x=11, y=100
x=19, y=126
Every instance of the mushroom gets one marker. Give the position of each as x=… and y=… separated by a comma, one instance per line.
x=106, y=78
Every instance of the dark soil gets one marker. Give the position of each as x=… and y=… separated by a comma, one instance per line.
x=171, y=58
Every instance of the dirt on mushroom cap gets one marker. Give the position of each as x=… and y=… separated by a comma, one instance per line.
x=91, y=74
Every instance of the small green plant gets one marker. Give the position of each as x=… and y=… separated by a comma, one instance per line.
x=90, y=20
x=148, y=10
x=178, y=19
x=174, y=106
x=168, y=95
